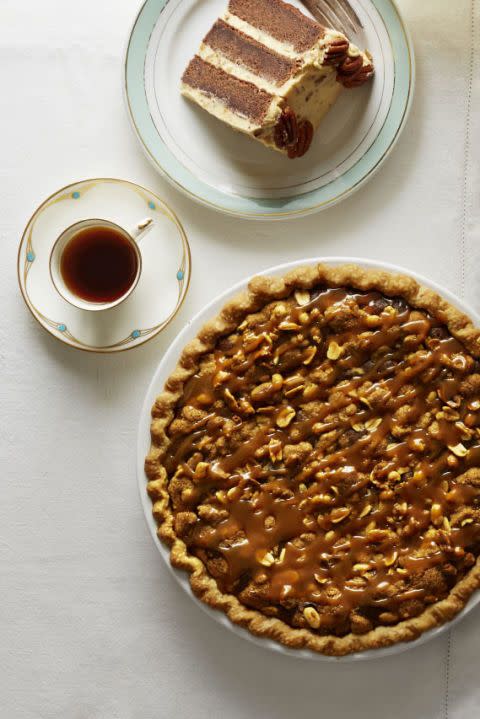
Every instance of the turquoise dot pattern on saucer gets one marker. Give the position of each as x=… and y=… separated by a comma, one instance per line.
x=30, y=256
x=135, y=334
x=75, y=195
x=180, y=275
x=151, y=205
x=62, y=328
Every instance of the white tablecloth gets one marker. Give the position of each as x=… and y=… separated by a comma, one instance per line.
x=92, y=625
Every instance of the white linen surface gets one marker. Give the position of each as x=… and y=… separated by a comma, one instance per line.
x=92, y=624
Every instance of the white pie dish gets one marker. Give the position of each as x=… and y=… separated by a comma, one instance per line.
x=163, y=371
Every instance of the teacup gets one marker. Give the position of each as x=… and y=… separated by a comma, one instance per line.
x=95, y=264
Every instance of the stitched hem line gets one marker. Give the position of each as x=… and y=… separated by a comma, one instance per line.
x=447, y=675
x=466, y=161
x=462, y=253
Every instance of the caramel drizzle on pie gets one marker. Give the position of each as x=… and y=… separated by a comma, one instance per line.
x=353, y=478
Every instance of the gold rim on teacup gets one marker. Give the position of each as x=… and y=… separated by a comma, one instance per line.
x=133, y=237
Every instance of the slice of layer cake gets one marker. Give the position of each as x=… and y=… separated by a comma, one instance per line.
x=269, y=71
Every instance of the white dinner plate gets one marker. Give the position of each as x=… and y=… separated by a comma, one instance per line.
x=228, y=171
x=163, y=371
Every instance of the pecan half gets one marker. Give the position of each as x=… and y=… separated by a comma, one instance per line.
x=350, y=65
x=353, y=73
x=305, y=135
x=336, y=51
x=286, y=129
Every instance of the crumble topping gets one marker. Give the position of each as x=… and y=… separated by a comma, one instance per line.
x=323, y=462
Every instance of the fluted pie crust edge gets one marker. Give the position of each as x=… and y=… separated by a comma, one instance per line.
x=261, y=290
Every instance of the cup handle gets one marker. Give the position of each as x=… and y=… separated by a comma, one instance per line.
x=142, y=228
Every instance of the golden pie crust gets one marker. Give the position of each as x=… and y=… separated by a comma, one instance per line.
x=377, y=581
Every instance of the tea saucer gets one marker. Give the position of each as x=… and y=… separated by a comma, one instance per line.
x=162, y=286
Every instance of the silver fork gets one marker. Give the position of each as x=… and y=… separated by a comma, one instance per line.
x=337, y=14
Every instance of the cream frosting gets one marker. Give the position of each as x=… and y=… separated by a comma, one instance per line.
x=303, y=93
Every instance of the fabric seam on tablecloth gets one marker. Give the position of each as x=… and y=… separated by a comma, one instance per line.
x=462, y=252
x=466, y=160
x=447, y=673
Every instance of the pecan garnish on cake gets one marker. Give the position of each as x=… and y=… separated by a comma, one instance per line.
x=294, y=136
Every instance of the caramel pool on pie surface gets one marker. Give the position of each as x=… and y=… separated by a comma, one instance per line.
x=323, y=461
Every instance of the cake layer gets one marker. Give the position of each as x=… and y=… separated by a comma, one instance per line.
x=239, y=96
x=279, y=20
x=269, y=71
x=247, y=52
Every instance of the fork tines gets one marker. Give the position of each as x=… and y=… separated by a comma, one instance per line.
x=338, y=14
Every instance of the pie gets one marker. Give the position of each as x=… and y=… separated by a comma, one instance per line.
x=315, y=459
x=269, y=71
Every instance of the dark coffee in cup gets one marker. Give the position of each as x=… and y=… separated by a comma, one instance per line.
x=96, y=264
x=99, y=264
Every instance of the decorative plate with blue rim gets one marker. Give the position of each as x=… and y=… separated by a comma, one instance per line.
x=226, y=170
x=165, y=266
